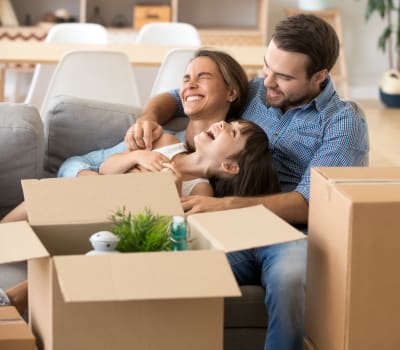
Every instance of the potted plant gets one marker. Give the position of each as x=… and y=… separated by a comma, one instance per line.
x=143, y=232
x=389, y=41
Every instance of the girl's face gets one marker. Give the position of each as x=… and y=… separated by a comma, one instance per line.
x=221, y=141
x=204, y=93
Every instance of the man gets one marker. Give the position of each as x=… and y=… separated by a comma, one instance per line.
x=307, y=125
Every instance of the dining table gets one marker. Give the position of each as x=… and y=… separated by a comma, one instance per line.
x=40, y=52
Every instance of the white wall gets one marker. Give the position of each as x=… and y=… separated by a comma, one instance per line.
x=365, y=64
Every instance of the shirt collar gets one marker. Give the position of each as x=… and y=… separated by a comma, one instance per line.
x=327, y=90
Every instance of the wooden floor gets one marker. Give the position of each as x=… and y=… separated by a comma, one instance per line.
x=384, y=133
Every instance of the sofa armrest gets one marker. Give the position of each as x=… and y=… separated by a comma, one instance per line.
x=21, y=151
x=75, y=126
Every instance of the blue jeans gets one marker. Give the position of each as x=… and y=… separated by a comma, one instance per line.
x=280, y=269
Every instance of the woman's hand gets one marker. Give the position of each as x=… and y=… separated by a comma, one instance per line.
x=142, y=134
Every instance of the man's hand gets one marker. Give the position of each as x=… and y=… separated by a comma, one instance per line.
x=142, y=134
x=198, y=204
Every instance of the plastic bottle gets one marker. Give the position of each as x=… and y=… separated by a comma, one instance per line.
x=178, y=233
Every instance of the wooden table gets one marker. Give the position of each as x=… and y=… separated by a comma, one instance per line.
x=250, y=57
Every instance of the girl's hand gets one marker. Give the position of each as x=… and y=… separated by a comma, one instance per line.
x=151, y=161
x=177, y=175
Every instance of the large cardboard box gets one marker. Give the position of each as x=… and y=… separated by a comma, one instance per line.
x=353, y=284
x=161, y=300
x=14, y=332
x=150, y=13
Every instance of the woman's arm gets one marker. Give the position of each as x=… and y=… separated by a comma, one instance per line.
x=88, y=164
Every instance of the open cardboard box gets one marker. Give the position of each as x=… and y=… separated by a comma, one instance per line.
x=161, y=300
x=353, y=284
x=14, y=332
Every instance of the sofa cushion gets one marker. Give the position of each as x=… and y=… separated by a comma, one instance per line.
x=75, y=126
x=21, y=151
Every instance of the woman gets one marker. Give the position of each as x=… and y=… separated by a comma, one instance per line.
x=214, y=88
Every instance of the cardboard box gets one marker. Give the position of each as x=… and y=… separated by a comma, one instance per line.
x=14, y=332
x=353, y=284
x=307, y=344
x=161, y=300
x=144, y=14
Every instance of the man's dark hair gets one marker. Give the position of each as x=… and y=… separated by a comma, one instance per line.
x=257, y=174
x=309, y=35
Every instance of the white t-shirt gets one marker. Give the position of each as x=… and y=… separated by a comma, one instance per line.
x=170, y=152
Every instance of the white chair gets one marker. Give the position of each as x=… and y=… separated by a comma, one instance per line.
x=79, y=33
x=169, y=33
x=175, y=34
x=98, y=75
x=172, y=69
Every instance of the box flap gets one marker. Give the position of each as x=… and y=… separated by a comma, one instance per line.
x=19, y=242
x=243, y=228
x=360, y=174
x=9, y=313
x=363, y=184
x=92, y=199
x=145, y=276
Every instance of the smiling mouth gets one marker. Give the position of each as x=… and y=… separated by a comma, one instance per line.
x=210, y=135
x=193, y=98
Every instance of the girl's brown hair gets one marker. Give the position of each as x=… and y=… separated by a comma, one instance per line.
x=257, y=174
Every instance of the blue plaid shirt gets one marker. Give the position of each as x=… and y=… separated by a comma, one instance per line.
x=325, y=132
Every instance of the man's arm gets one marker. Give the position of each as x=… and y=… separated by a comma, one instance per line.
x=290, y=206
x=157, y=111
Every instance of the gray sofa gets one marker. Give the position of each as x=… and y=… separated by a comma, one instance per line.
x=33, y=149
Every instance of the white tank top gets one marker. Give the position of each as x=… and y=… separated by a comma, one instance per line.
x=170, y=152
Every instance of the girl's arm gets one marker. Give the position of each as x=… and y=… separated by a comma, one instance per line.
x=123, y=162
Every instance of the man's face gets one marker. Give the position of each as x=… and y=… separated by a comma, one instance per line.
x=286, y=80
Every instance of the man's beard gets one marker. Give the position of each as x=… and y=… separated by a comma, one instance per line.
x=287, y=103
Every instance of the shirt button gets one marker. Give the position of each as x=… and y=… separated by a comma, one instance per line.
x=275, y=133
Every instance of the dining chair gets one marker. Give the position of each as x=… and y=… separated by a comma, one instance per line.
x=169, y=33
x=97, y=75
x=172, y=69
x=174, y=34
x=78, y=33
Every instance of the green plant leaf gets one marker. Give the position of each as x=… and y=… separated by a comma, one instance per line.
x=143, y=232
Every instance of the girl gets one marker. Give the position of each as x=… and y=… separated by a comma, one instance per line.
x=235, y=156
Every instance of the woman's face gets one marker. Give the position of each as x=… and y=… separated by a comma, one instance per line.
x=221, y=141
x=204, y=93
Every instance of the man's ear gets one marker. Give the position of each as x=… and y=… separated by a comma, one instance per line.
x=320, y=76
x=230, y=167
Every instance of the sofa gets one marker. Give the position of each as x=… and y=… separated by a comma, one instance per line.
x=32, y=148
